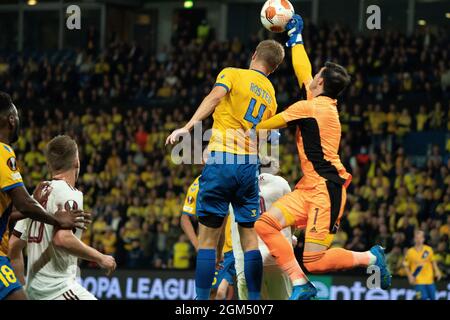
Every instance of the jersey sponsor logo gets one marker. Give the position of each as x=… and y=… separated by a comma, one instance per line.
x=313, y=230
x=16, y=176
x=425, y=254
x=71, y=205
x=12, y=163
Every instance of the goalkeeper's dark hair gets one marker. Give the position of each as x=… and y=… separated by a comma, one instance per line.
x=271, y=53
x=335, y=79
x=5, y=103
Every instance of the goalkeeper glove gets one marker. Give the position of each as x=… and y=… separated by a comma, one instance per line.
x=294, y=29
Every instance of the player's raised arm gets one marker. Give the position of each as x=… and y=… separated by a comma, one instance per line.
x=205, y=109
x=300, y=60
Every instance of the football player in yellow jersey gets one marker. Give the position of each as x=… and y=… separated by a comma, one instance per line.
x=14, y=194
x=421, y=268
x=189, y=212
x=239, y=100
x=224, y=276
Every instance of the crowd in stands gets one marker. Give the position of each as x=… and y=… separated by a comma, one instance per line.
x=121, y=103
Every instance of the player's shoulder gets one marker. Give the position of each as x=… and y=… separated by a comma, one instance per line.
x=230, y=70
x=194, y=185
x=6, y=151
x=61, y=187
x=196, y=182
x=263, y=78
x=64, y=194
x=303, y=104
x=301, y=108
x=428, y=248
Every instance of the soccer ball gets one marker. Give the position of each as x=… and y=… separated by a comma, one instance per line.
x=275, y=14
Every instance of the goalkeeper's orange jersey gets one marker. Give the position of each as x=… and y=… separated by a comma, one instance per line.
x=250, y=100
x=318, y=130
x=318, y=137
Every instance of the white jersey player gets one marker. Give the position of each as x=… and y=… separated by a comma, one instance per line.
x=276, y=284
x=52, y=253
x=51, y=271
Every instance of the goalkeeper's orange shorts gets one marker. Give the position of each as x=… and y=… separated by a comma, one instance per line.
x=318, y=210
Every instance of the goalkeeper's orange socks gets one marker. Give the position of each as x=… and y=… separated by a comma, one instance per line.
x=268, y=229
x=336, y=259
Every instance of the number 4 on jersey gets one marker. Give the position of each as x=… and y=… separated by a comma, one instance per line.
x=249, y=114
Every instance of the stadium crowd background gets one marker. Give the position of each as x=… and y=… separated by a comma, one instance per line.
x=121, y=103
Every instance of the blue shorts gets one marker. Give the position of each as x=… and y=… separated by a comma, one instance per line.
x=228, y=271
x=233, y=180
x=8, y=280
x=425, y=291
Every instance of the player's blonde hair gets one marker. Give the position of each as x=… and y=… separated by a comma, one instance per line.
x=271, y=53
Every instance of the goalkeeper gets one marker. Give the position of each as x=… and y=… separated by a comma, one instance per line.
x=318, y=201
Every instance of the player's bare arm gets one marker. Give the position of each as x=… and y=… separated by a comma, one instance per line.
x=66, y=240
x=30, y=208
x=437, y=271
x=16, y=215
x=410, y=276
x=188, y=228
x=15, y=253
x=206, y=108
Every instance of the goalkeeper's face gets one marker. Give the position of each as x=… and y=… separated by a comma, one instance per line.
x=316, y=85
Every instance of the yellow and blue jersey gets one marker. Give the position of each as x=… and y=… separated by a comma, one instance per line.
x=10, y=178
x=190, y=202
x=228, y=244
x=420, y=264
x=250, y=100
x=189, y=208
